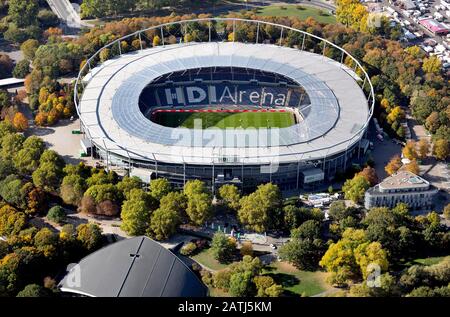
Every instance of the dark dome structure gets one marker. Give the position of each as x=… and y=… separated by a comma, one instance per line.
x=136, y=267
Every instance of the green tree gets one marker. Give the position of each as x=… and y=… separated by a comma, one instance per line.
x=72, y=189
x=33, y=290
x=164, y=222
x=11, y=221
x=11, y=144
x=29, y=48
x=127, y=184
x=159, y=188
x=304, y=254
x=355, y=188
x=223, y=247
x=259, y=209
x=26, y=160
x=194, y=187
x=56, y=214
x=199, y=208
x=241, y=284
x=23, y=12
x=22, y=69
x=441, y=149
x=231, y=196
x=310, y=229
x=431, y=65
x=136, y=212
x=90, y=236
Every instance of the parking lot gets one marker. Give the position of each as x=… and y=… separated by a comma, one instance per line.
x=424, y=23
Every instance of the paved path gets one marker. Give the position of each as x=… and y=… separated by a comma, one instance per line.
x=66, y=12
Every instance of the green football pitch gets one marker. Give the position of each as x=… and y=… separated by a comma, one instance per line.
x=224, y=120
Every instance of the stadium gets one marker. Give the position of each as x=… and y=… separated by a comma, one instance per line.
x=224, y=109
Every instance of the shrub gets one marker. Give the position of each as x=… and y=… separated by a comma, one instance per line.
x=188, y=249
x=56, y=214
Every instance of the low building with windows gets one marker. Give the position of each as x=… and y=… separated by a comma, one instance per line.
x=402, y=187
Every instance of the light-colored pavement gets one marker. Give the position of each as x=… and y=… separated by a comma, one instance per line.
x=60, y=139
x=66, y=12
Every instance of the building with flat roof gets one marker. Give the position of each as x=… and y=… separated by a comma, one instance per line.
x=136, y=267
x=402, y=187
x=434, y=26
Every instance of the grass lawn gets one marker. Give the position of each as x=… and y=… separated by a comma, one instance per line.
x=429, y=261
x=224, y=120
x=296, y=282
x=303, y=12
x=206, y=258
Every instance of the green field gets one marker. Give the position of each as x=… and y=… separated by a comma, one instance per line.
x=224, y=120
x=296, y=282
x=206, y=258
x=302, y=12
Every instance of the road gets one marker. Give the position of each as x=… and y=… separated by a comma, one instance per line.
x=65, y=11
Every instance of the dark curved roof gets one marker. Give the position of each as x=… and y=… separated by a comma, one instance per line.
x=136, y=267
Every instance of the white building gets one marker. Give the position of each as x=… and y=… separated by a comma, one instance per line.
x=402, y=187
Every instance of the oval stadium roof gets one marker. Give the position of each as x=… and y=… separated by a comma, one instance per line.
x=136, y=267
x=109, y=105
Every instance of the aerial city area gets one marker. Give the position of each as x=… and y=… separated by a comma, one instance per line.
x=266, y=150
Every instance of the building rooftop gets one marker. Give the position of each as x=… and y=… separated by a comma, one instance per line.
x=109, y=106
x=403, y=180
x=136, y=267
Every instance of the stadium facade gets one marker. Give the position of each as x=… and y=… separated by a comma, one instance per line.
x=331, y=99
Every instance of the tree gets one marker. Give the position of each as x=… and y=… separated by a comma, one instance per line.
x=56, y=214
x=22, y=69
x=431, y=65
x=355, y=188
x=5, y=102
x=26, y=160
x=164, y=222
x=11, y=144
x=432, y=122
x=156, y=41
x=413, y=167
x=106, y=197
x=199, y=208
x=223, y=247
x=370, y=256
x=259, y=209
x=23, y=12
x=72, y=189
x=370, y=174
x=128, y=184
x=240, y=284
x=310, y=229
x=90, y=236
x=20, y=122
x=246, y=248
x=136, y=212
x=11, y=221
x=304, y=254
x=441, y=149
x=29, y=48
x=394, y=165
x=6, y=66
x=409, y=151
x=159, y=188
x=231, y=196
x=33, y=290
x=47, y=176
x=340, y=260
x=194, y=187
x=447, y=212
x=424, y=148
x=266, y=287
